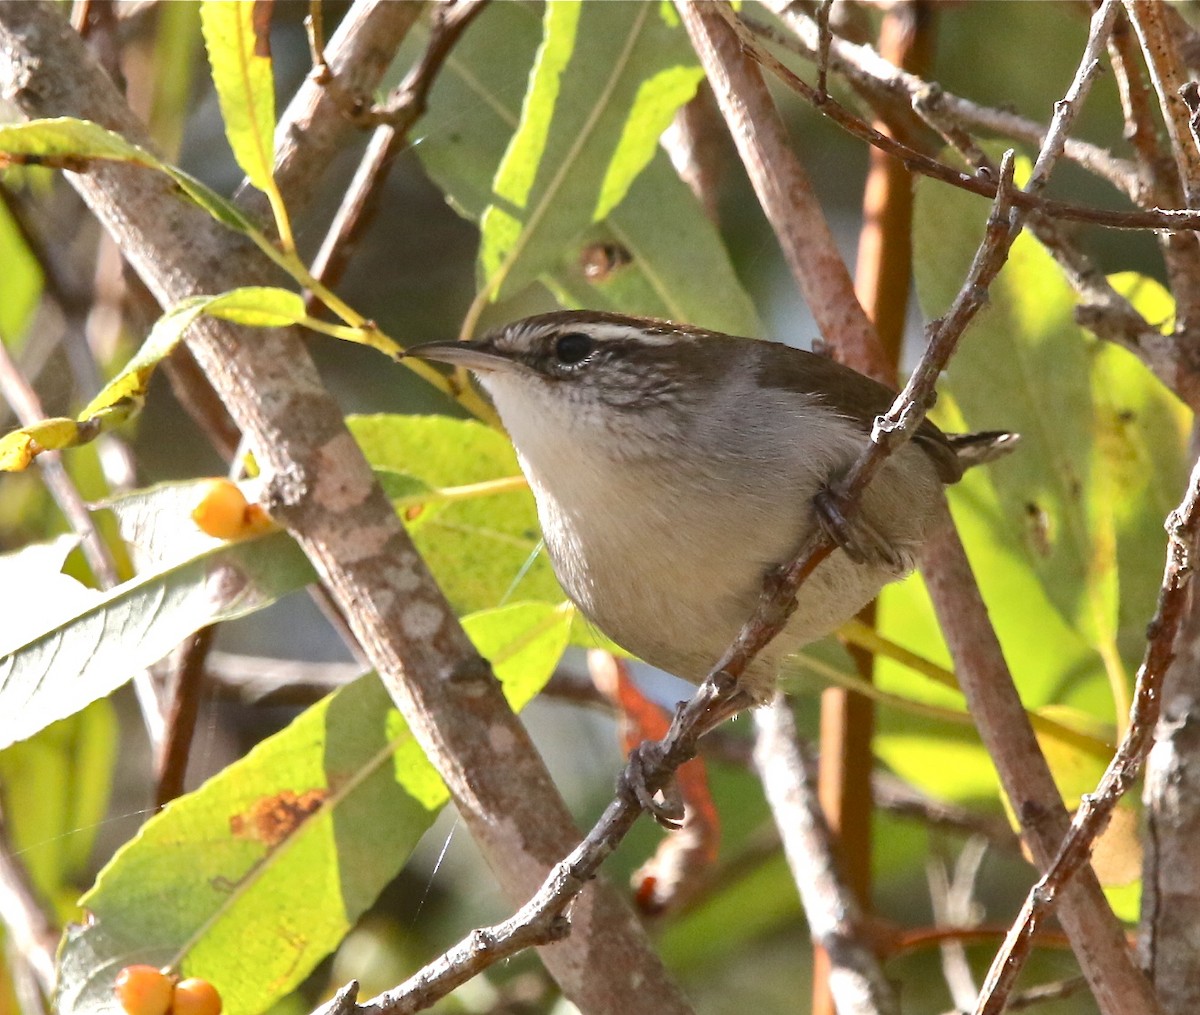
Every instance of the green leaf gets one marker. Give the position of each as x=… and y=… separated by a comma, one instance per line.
x=78, y=655
x=1143, y=432
x=67, y=143
x=123, y=396
x=678, y=266
x=56, y=792
x=267, y=865
x=657, y=100
x=1057, y=665
x=1025, y=366
x=523, y=642
x=238, y=38
x=605, y=84
x=480, y=550
x=260, y=306
x=20, y=285
x=270, y=863
x=130, y=384
x=63, y=140
x=220, y=208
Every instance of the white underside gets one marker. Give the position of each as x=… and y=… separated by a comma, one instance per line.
x=665, y=549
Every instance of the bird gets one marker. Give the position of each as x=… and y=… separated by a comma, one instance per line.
x=673, y=467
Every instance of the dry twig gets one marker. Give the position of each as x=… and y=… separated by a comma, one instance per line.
x=856, y=980
x=392, y=123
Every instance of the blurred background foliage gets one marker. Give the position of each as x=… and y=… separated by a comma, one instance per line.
x=1066, y=536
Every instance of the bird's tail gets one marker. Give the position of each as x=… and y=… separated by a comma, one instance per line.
x=976, y=448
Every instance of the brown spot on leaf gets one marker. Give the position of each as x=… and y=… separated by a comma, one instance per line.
x=1038, y=527
x=260, y=19
x=600, y=261
x=272, y=819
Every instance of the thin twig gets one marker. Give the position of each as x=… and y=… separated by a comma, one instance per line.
x=856, y=979
x=181, y=717
x=1160, y=31
x=1154, y=24
x=824, y=38
x=28, y=925
x=883, y=82
x=1102, y=310
x=918, y=162
x=1096, y=808
x=392, y=122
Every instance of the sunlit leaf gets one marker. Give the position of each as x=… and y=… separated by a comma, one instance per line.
x=605, y=84
x=271, y=862
x=483, y=551
x=66, y=140
x=1142, y=431
x=262, y=306
x=237, y=36
x=76, y=655
x=677, y=266
x=1024, y=366
x=123, y=396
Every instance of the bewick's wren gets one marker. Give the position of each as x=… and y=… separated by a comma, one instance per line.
x=673, y=466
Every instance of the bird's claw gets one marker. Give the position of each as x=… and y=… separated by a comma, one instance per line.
x=858, y=539
x=633, y=782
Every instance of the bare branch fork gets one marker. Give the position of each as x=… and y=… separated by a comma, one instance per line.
x=918, y=162
x=897, y=93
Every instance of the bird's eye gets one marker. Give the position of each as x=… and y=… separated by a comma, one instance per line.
x=573, y=347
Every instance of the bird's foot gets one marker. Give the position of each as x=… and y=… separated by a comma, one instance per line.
x=634, y=782
x=857, y=538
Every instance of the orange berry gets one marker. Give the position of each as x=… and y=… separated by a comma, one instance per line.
x=221, y=511
x=195, y=997
x=143, y=990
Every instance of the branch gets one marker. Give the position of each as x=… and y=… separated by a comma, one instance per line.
x=323, y=490
x=918, y=162
x=782, y=186
x=314, y=128
x=1159, y=31
x=992, y=698
x=172, y=760
x=405, y=106
x=883, y=82
x=856, y=979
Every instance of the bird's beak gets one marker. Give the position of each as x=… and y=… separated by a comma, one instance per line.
x=472, y=355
